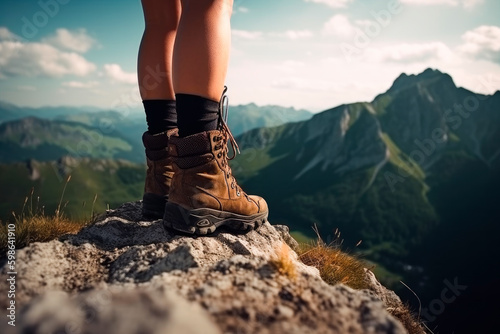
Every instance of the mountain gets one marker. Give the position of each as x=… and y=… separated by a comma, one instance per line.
x=378, y=157
x=48, y=133
x=9, y=112
x=113, y=181
x=241, y=117
x=246, y=117
x=130, y=126
x=42, y=139
x=414, y=174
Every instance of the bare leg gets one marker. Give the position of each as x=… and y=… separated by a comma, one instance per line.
x=201, y=52
x=154, y=65
x=154, y=71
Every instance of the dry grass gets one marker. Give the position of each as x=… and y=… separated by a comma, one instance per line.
x=334, y=265
x=283, y=261
x=407, y=318
x=33, y=225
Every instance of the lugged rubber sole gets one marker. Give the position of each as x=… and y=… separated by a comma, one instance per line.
x=153, y=206
x=205, y=221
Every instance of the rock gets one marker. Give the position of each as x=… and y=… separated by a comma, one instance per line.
x=387, y=296
x=125, y=275
x=114, y=310
x=284, y=233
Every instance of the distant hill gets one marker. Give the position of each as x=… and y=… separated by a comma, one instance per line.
x=9, y=112
x=241, y=117
x=42, y=139
x=247, y=117
x=48, y=133
x=113, y=181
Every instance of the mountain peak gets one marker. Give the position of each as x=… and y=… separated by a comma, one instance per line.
x=405, y=81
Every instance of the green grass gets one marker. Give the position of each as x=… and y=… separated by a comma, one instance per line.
x=404, y=163
x=301, y=237
x=381, y=104
x=114, y=182
x=355, y=110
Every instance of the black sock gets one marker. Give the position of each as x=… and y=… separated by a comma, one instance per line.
x=161, y=115
x=196, y=114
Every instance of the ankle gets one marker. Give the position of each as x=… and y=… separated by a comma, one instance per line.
x=196, y=114
x=161, y=115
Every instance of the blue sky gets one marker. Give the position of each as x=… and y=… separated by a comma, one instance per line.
x=312, y=54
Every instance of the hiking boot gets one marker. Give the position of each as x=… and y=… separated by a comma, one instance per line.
x=204, y=194
x=158, y=175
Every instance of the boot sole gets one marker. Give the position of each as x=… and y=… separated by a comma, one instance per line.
x=205, y=221
x=153, y=206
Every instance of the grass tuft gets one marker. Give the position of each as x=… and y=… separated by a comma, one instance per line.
x=283, y=261
x=34, y=225
x=334, y=265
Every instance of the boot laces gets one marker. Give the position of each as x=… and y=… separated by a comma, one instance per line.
x=224, y=128
x=227, y=136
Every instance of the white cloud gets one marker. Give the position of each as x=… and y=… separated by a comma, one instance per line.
x=289, y=83
x=246, y=34
x=301, y=84
x=464, y=3
x=407, y=53
x=37, y=59
x=290, y=66
x=430, y=2
x=80, y=84
x=77, y=40
x=27, y=88
x=340, y=26
x=471, y=3
x=332, y=3
x=116, y=73
x=482, y=43
x=240, y=10
x=294, y=34
x=32, y=59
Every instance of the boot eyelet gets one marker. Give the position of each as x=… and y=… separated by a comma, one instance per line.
x=238, y=193
x=219, y=155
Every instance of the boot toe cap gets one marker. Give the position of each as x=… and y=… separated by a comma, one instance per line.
x=260, y=202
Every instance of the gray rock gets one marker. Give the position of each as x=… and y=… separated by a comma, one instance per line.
x=114, y=310
x=128, y=275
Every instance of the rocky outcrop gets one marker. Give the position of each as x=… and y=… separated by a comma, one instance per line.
x=126, y=275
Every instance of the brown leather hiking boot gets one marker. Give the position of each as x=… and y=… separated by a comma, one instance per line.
x=159, y=173
x=204, y=194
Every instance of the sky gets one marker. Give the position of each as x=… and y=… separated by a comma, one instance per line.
x=312, y=54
